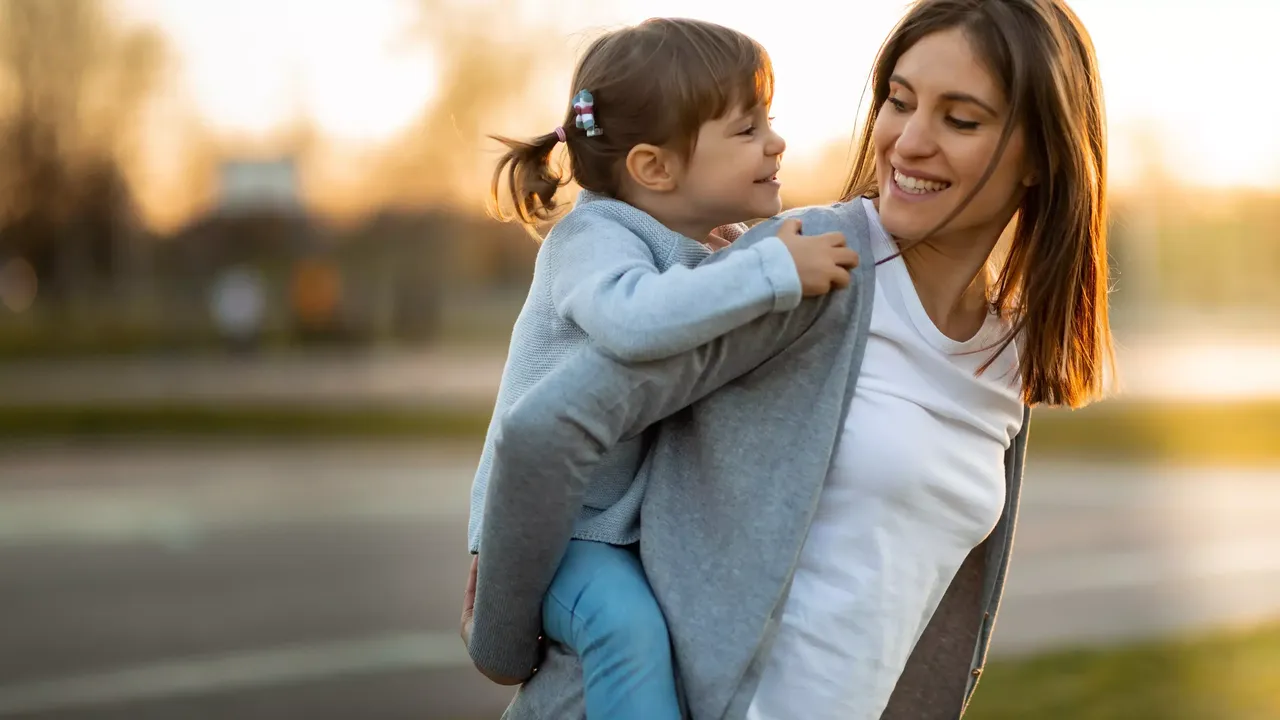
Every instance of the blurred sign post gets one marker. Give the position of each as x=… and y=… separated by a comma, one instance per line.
x=250, y=186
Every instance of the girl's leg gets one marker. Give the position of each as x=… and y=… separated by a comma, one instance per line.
x=601, y=606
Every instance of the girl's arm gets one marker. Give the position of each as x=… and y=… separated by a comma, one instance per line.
x=605, y=281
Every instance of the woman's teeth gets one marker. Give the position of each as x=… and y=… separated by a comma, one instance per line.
x=917, y=186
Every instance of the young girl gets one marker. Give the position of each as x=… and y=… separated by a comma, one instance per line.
x=668, y=135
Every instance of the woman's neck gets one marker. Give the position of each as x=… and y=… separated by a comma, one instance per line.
x=950, y=278
x=953, y=290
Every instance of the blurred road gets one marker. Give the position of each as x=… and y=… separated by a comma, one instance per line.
x=323, y=580
x=1172, y=366
x=437, y=377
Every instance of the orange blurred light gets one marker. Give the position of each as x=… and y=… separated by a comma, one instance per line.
x=317, y=292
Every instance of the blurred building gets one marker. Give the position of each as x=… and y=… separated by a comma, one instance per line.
x=250, y=186
x=377, y=282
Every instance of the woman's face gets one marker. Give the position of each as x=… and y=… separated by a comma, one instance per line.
x=934, y=139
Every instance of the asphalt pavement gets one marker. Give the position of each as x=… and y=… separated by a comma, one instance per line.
x=257, y=581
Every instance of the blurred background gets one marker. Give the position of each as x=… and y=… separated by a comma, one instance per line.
x=252, y=320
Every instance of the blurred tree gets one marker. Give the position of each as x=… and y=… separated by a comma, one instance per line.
x=490, y=62
x=76, y=84
x=487, y=58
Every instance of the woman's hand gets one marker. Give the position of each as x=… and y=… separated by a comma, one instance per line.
x=469, y=617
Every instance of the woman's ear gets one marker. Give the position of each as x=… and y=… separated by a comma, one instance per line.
x=1030, y=176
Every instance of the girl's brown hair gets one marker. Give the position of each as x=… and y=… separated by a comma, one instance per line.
x=1053, y=282
x=655, y=83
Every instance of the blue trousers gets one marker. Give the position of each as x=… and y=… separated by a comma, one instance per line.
x=600, y=606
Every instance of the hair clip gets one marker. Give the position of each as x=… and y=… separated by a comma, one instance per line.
x=584, y=108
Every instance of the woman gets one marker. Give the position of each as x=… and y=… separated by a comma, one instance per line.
x=820, y=552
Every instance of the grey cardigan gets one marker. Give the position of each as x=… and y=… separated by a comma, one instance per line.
x=749, y=425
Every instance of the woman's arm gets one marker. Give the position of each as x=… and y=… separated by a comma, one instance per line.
x=549, y=440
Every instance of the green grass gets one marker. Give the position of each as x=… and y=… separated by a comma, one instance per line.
x=1228, y=432
x=1227, y=676
x=1240, y=433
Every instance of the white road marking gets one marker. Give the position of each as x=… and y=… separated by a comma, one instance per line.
x=251, y=669
x=1092, y=572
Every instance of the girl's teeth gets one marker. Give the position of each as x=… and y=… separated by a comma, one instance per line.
x=918, y=186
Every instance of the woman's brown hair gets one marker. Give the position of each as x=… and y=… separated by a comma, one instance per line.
x=655, y=83
x=1053, y=283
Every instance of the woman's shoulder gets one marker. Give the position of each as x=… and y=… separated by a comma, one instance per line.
x=848, y=217
x=841, y=211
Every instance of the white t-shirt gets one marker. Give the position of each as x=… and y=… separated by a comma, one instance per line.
x=917, y=482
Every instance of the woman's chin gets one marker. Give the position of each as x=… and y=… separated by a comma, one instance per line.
x=903, y=229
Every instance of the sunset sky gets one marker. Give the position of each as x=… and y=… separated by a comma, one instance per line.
x=1193, y=77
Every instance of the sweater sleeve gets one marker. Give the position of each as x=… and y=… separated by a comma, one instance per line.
x=604, y=280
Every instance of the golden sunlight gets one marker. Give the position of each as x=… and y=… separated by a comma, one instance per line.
x=1184, y=96
x=351, y=67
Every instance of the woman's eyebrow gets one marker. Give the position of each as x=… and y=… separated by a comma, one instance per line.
x=953, y=96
